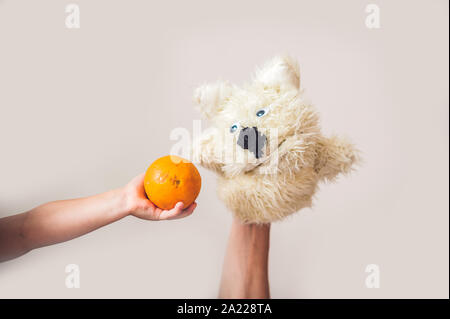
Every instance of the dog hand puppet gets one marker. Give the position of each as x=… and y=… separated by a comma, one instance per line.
x=265, y=144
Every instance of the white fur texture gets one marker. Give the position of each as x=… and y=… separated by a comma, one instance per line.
x=295, y=159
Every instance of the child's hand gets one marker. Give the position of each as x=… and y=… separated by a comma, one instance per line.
x=140, y=206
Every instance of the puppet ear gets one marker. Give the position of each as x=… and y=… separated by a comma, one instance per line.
x=280, y=72
x=210, y=97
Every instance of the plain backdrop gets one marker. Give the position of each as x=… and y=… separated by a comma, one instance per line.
x=84, y=110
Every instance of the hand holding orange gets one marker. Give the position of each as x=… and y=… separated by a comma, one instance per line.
x=172, y=179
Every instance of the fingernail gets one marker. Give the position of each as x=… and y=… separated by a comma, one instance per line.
x=179, y=205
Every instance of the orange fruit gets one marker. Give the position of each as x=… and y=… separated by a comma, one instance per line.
x=172, y=179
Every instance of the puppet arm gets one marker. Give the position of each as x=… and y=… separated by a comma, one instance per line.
x=208, y=151
x=335, y=155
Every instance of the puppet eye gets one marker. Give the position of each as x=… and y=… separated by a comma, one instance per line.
x=262, y=112
x=233, y=128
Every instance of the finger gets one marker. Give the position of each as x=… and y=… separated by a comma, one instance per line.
x=185, y=212
x=158, y=213
x=178, y=207
x=173, y=213
x=188, y=211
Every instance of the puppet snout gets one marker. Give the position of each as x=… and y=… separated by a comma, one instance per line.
x=252, y=140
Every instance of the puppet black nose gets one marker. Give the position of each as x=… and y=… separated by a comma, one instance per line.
x=252, y=140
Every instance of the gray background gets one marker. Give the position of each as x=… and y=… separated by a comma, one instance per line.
x=83, y=111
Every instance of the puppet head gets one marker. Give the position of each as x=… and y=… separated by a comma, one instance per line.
x=265, y=141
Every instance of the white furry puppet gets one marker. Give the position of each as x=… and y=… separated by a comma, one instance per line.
x=265, y=144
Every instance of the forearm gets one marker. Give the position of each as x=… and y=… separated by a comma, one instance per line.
x=245, y=269
x=59, y=221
